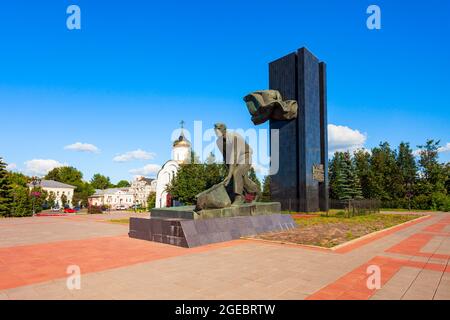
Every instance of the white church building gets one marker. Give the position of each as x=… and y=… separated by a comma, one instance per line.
x=181, y=153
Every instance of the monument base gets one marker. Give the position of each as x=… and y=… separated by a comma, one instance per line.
x=246, y=209
x=194, y=233
x=182, y=227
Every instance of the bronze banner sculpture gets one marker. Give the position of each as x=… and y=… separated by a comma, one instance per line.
x=268, y=104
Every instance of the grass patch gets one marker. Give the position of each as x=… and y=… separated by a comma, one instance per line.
x=404, y=210
x=120, y=221
x=335, y=228
x=376, y=219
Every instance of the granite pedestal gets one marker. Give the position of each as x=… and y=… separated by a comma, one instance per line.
x=181, y=226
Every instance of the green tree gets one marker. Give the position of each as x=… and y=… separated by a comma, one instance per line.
x=102, y=182
x=81, y=194
x=51, y=200
x=447, y=179
x=214, y=172
x=68, y=175
x=344, y=179
x=151, y=200
x=266, y=195
x=6, y=196
x=74, y=177
x=64, y=202
x=339, y=186
x=193, y=178
x=254, y=178
x=432, y=173
x=387, y=184
x=361, y=160
x=123, y=184
x=408, y=171
x=189, y=181
x=431, y=191
x=353, y=185
x=22, y=203
x=38, y=199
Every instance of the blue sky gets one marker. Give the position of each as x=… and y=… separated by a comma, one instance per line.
x=136, y=68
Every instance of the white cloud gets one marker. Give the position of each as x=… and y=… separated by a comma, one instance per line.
x=41, y=167
x=148, y=170
x=82, y=147
x=445, y=148
x=343, y=138
x=11, y=166
x=134, y=155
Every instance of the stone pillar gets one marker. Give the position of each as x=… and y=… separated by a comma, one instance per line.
x=323, y=186
x=303, y=141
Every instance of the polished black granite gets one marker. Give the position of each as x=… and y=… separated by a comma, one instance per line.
x=300, y=76
x=193, y=233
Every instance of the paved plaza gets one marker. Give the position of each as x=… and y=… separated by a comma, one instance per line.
x=35, y=252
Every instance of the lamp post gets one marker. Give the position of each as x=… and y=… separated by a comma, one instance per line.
x=35, y=181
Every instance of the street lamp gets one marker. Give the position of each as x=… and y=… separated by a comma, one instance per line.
x=35, y=181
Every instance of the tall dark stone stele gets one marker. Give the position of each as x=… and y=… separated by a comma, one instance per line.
x=303, y=141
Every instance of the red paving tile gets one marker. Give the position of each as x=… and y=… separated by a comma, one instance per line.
x=24, y=265
x=439, y=227
x=413, y=246
x=353, y=285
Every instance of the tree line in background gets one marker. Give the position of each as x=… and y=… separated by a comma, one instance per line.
x=17, y=200
x=393, y=176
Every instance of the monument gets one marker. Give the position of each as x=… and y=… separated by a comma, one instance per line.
x=215, y=218
x=301, y=183
x=295, y=105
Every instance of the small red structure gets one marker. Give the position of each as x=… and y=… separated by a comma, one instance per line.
x=168, y=200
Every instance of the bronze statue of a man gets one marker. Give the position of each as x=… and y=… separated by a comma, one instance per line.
x=237, y=155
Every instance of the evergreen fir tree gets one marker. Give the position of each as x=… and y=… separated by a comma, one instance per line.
x=266, y=195
x=408, y=169
x=347, y=177
x=339, y=187
x=22, y=202
x=6, y=196
x=361, y=159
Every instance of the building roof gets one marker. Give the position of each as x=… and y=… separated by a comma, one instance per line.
x=99, y=192
x=147, y=180
x=53, y=184
x=181, y=141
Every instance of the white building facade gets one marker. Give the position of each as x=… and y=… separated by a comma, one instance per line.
x=125, y=198
x=141, y=188
x=58, y=190
x=115, y=198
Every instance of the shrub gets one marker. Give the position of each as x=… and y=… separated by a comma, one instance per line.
x=446, y=205
x=422, y=202
x=440, y=201
x=95, y=209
